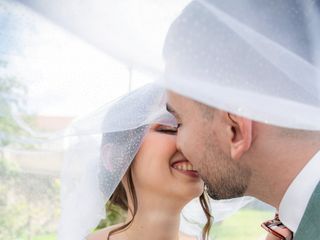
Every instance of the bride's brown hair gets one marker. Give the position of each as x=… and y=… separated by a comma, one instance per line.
x=119, y=198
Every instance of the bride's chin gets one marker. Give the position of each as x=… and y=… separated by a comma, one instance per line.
x=193, y=190
x=190, y=194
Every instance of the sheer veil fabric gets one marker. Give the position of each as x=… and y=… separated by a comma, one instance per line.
x=266, y=58
x=261, y=64
x=258, y=59
x=101, y=147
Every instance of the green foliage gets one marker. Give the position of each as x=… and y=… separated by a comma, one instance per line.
x=11, y=99
x=114, y=215
x=243, y=225
x=28, y=203
x=45, y=237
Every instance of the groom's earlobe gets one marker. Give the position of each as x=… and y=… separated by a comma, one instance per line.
x=240, y=135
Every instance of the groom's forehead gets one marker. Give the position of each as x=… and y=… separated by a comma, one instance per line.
x=178, y=104
x=174, y=98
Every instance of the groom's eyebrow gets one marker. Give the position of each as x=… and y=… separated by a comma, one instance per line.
x=171, y=110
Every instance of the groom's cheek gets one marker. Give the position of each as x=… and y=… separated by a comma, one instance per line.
x=182, y=141
x=178, y=140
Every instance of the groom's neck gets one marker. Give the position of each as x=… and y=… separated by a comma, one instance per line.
x=277, y=167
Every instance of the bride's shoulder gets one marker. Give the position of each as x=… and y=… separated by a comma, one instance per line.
x=102, y=233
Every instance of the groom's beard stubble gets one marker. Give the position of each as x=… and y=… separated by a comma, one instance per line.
x=223, y=177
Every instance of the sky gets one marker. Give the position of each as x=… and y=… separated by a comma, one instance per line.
x=64, y=75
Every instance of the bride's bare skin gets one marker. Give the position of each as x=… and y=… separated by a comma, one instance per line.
x=101, y=234
x=164, y=184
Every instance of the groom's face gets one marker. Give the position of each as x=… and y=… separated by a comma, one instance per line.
x=201, y=138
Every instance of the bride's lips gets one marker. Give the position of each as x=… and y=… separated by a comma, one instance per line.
x=185, y=167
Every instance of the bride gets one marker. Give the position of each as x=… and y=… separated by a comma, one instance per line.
x=139, y=169
x=155, y=188
x=159, y=182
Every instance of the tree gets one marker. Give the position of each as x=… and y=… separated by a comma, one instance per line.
x=28, y=202
x=11, y=100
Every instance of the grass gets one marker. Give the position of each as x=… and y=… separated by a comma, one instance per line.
x=244, y=225
x=45, y=237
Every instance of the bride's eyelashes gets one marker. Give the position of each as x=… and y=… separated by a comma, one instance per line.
x=166, y=129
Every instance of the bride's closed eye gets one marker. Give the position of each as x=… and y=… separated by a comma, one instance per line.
x=166, y=129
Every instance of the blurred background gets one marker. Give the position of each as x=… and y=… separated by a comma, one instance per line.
x=49, y=76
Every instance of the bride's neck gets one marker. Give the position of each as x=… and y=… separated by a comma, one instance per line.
x=156, y=219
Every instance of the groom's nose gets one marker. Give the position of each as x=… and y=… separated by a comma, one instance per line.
x=178, y=142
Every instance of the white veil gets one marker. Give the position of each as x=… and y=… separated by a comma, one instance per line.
x=258, y=59
x=102, y=146
x=268, y=51
x=262, y=53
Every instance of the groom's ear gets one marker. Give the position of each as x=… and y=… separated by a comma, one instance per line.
x=239, y=135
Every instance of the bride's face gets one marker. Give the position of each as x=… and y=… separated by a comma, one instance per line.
x=161, y=169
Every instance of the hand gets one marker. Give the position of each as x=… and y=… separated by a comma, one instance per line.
x=283, y=231
x=276, y=230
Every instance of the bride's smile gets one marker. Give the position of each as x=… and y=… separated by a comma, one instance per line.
x=185, y=167
x=160, y=167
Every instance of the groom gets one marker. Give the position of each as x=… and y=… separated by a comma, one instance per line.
x=236, y=155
